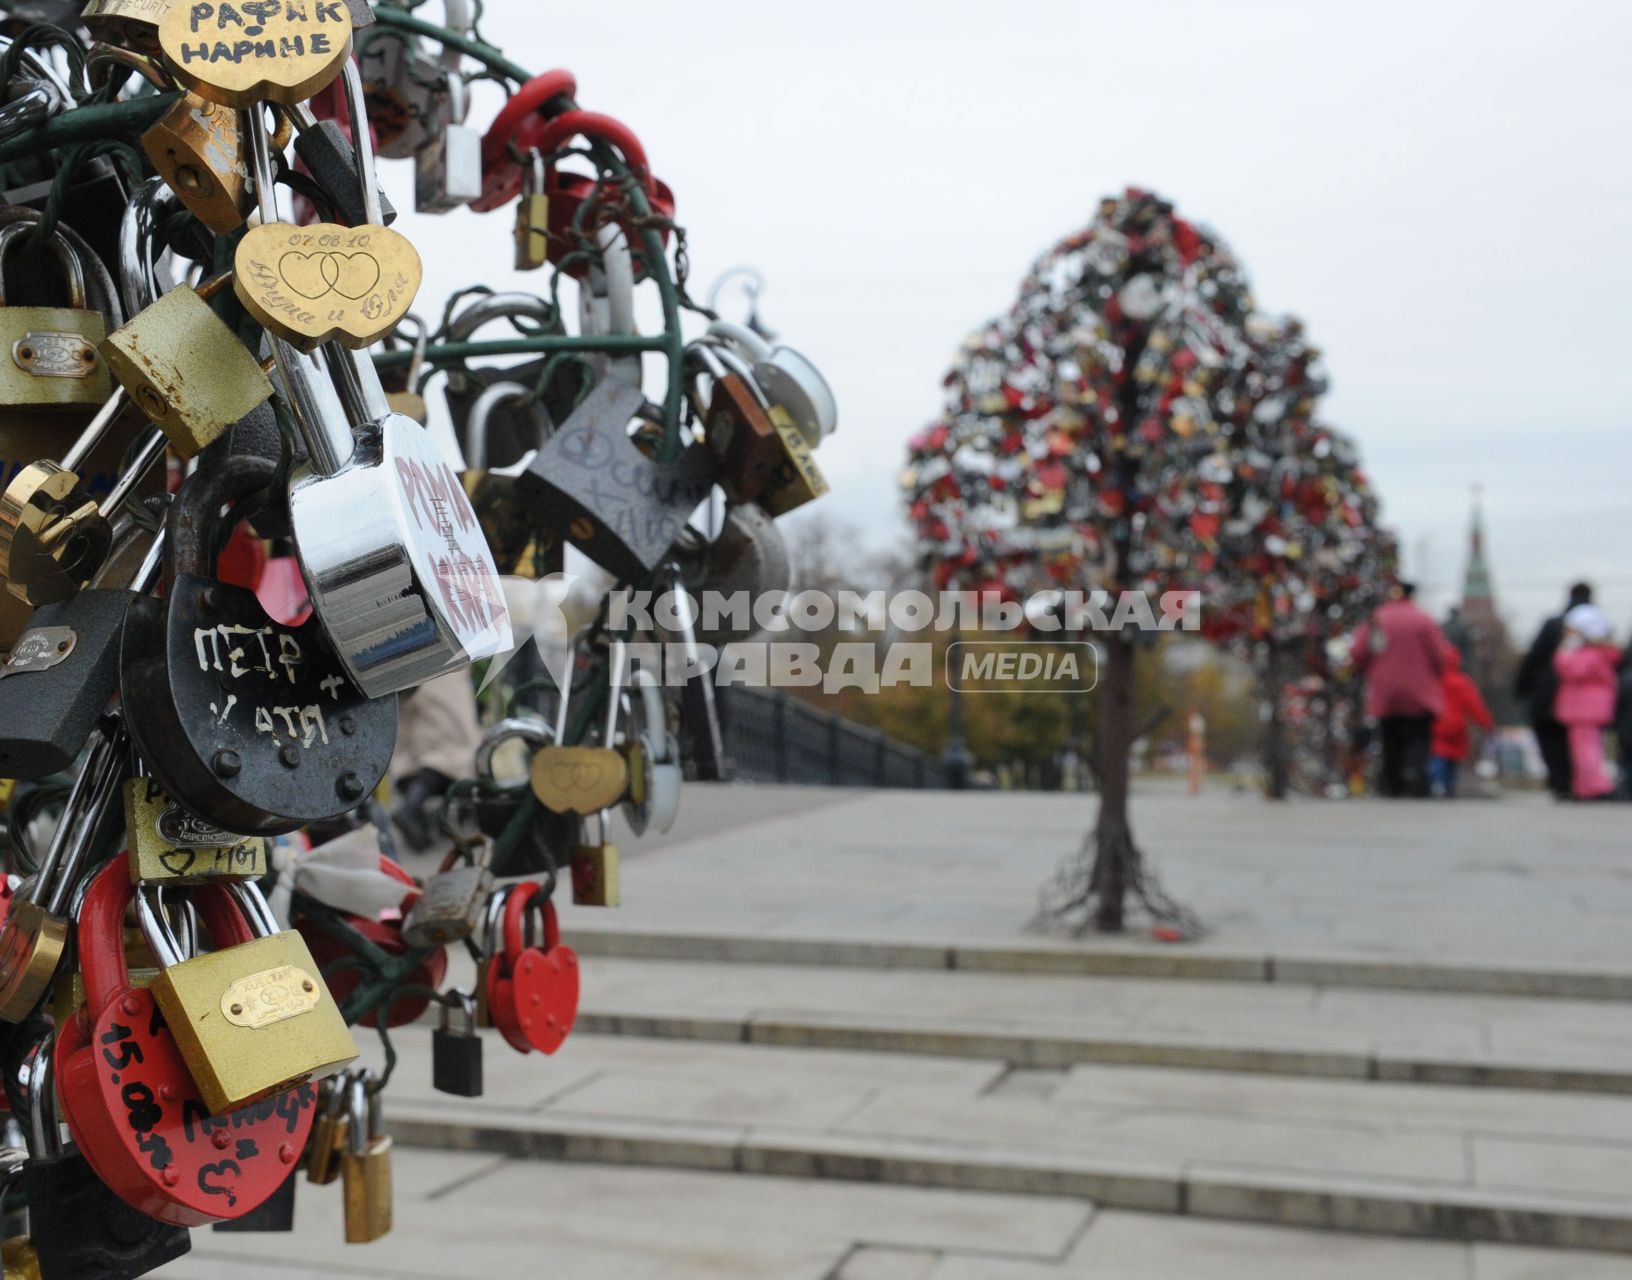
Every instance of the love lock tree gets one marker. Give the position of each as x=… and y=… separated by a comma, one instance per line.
x=1102, y=435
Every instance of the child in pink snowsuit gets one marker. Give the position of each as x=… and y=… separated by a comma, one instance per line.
x=1587, y=684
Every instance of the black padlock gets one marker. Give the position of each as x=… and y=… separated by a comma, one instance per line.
x=251, y=725
x=456, y=1056
x=596, y=489
x=62, y=673
x=332, y=163
x=257, y=435
x=277, y=1214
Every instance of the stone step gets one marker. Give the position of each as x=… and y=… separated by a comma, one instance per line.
x=1442, y=1162
x=1044, y=1021
x=1102, y=959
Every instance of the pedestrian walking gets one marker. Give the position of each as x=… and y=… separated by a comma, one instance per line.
x=1588, y=668
x=1400, y=651
x=1452, y=743
x=1537, y=687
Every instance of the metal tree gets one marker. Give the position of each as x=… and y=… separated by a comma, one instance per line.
x=1102, y=434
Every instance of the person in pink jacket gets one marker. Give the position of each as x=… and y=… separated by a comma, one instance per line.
x=1400, y=651
x=1588, y=681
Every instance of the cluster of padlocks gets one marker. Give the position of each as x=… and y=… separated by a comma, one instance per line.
x=235, y=560
x=1134, y=421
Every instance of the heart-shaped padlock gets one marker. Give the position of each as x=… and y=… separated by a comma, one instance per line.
x=543, y=981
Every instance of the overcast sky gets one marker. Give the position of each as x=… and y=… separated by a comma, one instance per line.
x=1442, y=190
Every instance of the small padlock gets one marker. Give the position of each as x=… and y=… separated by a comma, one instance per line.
x=365, y=1168
x=798, y=479
x=450, y=908
x=448, y=164
x=198, y=148
x=186, y=370
x=655, y=768
x=331, y=159
x=533, y=217
x=329, y=1131
x=583, y=779
x=129, y=1097
x=738, y=425
x=171, y=846
x=535, y=994
x=251, y=725
x=595, y=865
x=48, y=355
x=456, y=1054
x=36, y=927
x=77, y=1225
x=506, y=519
x=619, y=507
x=255, y=1019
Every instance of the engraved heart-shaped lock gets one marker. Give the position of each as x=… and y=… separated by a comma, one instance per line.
x=311, y=284
x=238, y=55
x=580, y=780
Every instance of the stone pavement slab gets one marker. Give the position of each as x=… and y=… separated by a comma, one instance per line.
x=1512, y=895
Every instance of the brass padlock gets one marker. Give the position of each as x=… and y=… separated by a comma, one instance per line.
x=365, y=1168
x=169, y=845
x=253, y=1018
x=507, y=521
x=198, y=149
x=48, y=355
x=330, y=1131
x=36, y=928
x=131, y=23
x=186, y=370
x=798, y=480
x=595, y=879
x=533, y=217
x=583, y=780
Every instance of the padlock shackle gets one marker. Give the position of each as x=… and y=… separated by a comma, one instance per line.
x=44, y=1135
x=532, y=97
x=73, y=268
x=101, y=935
x=523, y=896
x=549, y=136
x=516, y=728
x=194, y=516
x=140, y=283
x=82, y=814
x=481, y=419
x=362, y=141
x=616, y=659
x=656, y=712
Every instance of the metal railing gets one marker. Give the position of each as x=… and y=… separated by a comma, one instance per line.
x=770, y=737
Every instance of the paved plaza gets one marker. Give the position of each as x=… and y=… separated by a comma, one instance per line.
x=819, y=1041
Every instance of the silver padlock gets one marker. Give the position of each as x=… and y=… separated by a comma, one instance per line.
x=411, y=592
x=406, y=99
x=450, y=908
x=448, y=164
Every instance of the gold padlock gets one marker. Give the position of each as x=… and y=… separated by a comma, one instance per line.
x=53, y=536
x=186, y=370
x=48, y=356
x=131, y=23
x=533, y=217
x=170, y=845
x=584, y=780
x=330, y=1132
x=198, y=149
x=365, y=1168
x=798, y=479
x=251, y=1019
x=298, y=50
x=595, y=878
x=19, y=1259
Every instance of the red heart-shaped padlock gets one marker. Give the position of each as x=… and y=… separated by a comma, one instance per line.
x=545, y=979
x=129, y=1098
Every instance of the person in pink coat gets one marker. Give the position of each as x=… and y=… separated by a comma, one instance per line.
x=1588, y=681
x=1400, y=651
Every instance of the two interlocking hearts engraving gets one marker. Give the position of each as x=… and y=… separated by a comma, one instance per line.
x=316, y=275
x=581, y=780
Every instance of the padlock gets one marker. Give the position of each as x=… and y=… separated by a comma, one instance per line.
x=365, y=1168
x=186, y=370
x=448, y=164
x=738, y=425
x=403, y=81
x=798, y=479
x=331, y=160
x=507, y=522
x=256, y=1019
x=36, y=926
x=77, y=1225
x=450, y=908
x=171, y=846
x=48, y=355
x=655, y=772
x=533, y=217
x=699, y=711
x=535, y=993
x=787, y=378
x=456, y=1055
x=131, y=23
x=198, y=148
x=595, y=866
x=131, y=1101
x=251, y=725
x=308, y=285
x=330, y=1131
x=495, y=1005
x=413, y=592
x=296, y=50
x=749, y=554
x=583, y=779
x=404, y=396
x=623, y=509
